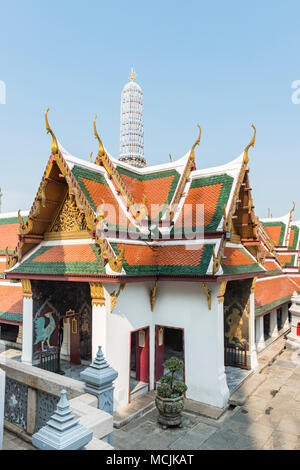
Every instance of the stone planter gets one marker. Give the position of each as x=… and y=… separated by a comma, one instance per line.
x=169, y=410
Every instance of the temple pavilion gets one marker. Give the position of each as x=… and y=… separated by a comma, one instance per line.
x=149, y=262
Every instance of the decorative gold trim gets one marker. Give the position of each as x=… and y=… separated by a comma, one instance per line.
x=26, y=287
x=97, y=294
x=160, y=336
x=222, y=291
x=54, y=148
x=114, y=297
x=208, y=294
x=216, y=262
x=287, y=238
x=185, y=175
x=67, y=235
x=153, y=296
x=251, y=144
x=252, y=289
x=142, y=338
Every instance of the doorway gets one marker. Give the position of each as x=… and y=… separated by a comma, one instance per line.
x=169, y=342
x=139, y=363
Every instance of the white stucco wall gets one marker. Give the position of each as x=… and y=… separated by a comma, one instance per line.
x=178, y=304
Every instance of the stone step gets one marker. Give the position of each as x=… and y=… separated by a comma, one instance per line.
x=135, y=409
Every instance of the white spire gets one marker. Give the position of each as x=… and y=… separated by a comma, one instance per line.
x=132, y=124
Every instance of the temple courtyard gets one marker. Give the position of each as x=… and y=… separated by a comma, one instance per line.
x=268, y=420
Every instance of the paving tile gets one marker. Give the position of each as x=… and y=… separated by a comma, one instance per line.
x=289, y=424
x=222, y=441
x=281, y=441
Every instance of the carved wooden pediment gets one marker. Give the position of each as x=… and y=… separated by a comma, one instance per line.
x=69, y=218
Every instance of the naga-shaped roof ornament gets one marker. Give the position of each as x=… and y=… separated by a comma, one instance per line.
x=246, y=158
x=54, y=148
x=192, y=154
x=101, y=150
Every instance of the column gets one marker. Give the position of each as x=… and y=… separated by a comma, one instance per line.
x=252, y=345
x=27, y=339
x=285, y=317
x=20, y=334
x=99, y=378
x=259, y=334
x=99, y=318
x=65, y=347
x=273, y=324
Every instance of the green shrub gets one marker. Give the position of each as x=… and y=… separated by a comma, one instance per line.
x=169, y=387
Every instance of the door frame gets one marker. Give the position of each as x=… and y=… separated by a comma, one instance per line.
x=155, y=342
x=130, y=344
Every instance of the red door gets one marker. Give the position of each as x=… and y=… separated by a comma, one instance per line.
x=159, y=352
x=142, y=355
x=75, y=340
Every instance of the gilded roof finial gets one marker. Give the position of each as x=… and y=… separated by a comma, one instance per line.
x=54, y=147
x=101, y=150
x=192, y=154
x=132, y=75
x=294, y=205
x=170, y=156
x=91, y=160
x=246, y=158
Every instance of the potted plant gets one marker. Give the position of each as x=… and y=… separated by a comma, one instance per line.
x=170, y=394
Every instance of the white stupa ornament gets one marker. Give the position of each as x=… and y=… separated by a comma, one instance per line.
x=132, y=124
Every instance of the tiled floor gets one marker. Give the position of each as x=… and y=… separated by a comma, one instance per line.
x=269, y=420
x=235, y=377
x=13, y=442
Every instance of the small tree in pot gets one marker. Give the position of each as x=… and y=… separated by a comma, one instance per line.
x=170, y=394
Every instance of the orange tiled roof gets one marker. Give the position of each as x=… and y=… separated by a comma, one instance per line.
x=208, y=196
x=11, y=300
x=156, y=191
x=8, y=236
x=275, y=232
x=67, y=254
x=271, y=265
x=139, y=255
x=269, y=293
x=100, y=192
x=235, y=257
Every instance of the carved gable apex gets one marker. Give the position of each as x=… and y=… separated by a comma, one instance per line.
x=69, y=219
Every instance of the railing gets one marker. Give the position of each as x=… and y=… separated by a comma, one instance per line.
x=236, y=356
x=50, y=361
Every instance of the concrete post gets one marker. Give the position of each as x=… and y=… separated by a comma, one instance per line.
x=62, y=431
x=252, y=345
x=273, y=324
x=27, y=340
x=293, y=340
x=99, y=377
x=99, y=321
x=259, y=334
x=65, y=347
x=285, y=317
x=2, y=397
x=20, y=334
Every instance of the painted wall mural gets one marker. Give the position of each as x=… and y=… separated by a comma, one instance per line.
x=237, y=312
x=45, y=330
x=51, y=302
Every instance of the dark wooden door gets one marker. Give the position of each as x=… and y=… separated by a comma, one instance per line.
x=142, y=355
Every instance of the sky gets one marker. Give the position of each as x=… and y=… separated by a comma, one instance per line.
x=223, y=65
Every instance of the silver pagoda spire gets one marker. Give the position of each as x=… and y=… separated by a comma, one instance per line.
x=132, y=124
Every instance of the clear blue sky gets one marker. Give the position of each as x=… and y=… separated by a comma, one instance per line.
x=221, y=64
